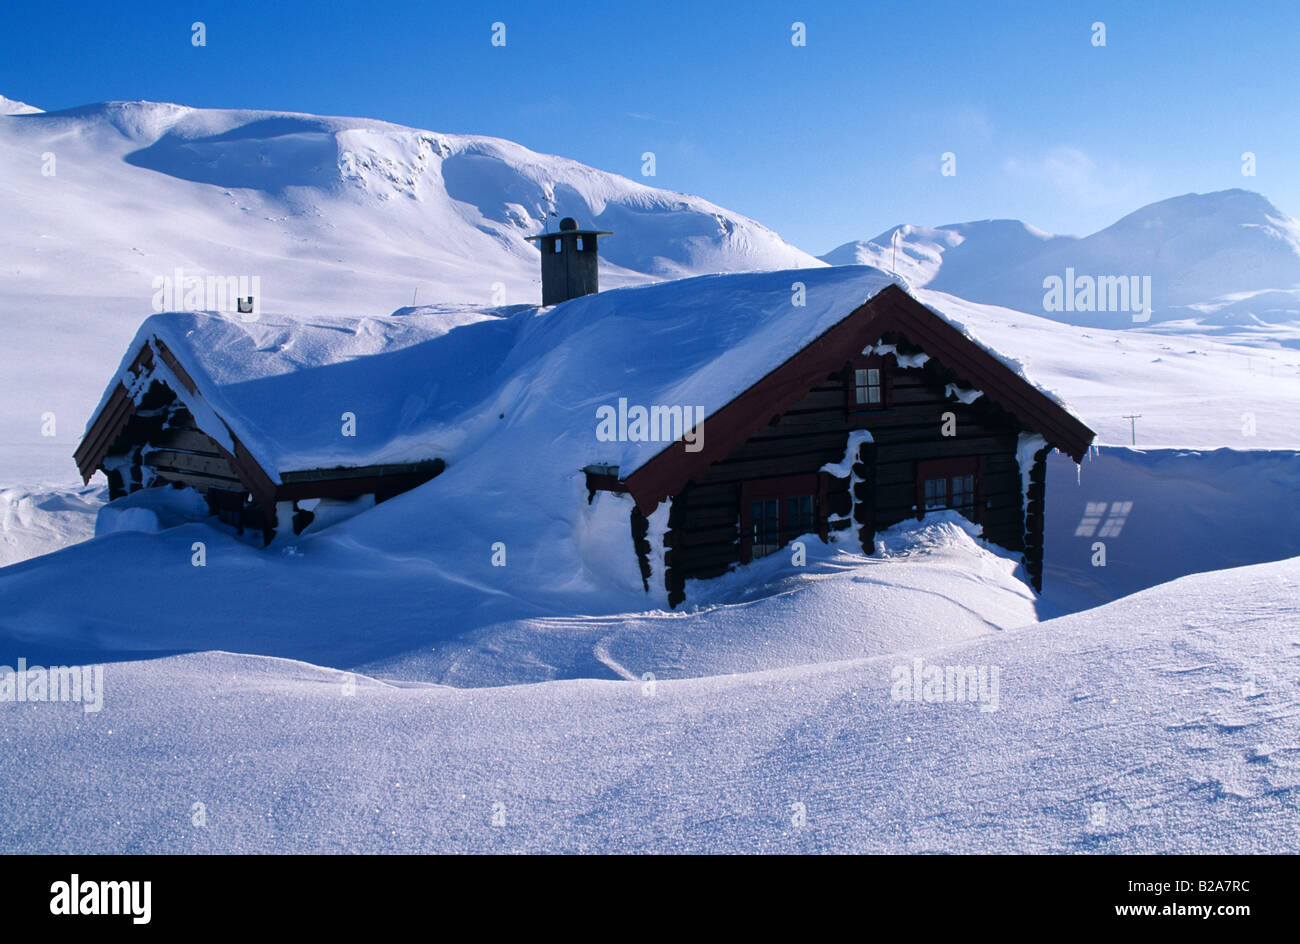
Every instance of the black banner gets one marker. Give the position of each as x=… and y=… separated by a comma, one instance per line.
x=1218, y=894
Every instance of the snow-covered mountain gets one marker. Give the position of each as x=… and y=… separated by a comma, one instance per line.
x=1220, y=258
x=334, y=216
x=345, y=213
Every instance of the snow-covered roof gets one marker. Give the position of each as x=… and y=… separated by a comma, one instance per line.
x=425, y=383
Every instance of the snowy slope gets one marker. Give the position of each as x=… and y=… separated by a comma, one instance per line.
x=142, y=187
x=1166, y=722
x=9, y=106
x=554, y=612
x=1229, y=257
x=1162, y=514
x=334, y=216
x=1191, y=385
x=960, y=254
x=34, y=522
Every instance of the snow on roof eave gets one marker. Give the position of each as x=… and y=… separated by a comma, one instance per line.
x=651, y=469
x=153, y=332
x=1016, y=366
x=206, y=399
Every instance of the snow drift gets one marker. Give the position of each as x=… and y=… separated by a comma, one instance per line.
x=1165, y=722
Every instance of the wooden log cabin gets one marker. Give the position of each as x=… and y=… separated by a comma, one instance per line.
x=935, y=422
x=839, y=419
x=158, y=427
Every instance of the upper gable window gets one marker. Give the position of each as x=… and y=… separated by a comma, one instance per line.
x=868, y=386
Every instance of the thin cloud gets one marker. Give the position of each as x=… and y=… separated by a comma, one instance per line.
x=1076, y=176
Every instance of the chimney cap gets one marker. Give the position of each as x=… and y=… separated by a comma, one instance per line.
x=569, y=227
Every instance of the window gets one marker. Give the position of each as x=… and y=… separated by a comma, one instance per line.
x=868, y=387
x=866, y=383
x=775, y=522
x=799, y=517
x=765, y=525
x=936, y=493
x=949, y=483
x=558, y=245
x=963, y=494
x=579, y=244
x=773, y=512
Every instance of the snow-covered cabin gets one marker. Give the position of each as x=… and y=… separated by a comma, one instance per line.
x=261, y=418
x=731, y=414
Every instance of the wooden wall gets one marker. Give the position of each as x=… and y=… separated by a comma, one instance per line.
x=162, y=444
x=703, y=538
x=163, y=439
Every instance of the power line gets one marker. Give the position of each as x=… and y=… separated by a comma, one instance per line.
x=1132, y=425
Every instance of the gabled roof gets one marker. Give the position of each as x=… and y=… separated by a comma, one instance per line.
x=890, y=310
x=155, y=360
x=273, y=392
x=518, y=389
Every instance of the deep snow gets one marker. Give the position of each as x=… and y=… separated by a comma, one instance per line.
x=1166, y=722
x=1164, y=513
x=380, y=686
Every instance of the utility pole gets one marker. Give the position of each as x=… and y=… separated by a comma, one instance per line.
x=1132, y=425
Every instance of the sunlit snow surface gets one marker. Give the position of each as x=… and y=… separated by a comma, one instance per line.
x=381, y=686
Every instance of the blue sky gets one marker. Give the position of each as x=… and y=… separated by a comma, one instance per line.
x=828, y=142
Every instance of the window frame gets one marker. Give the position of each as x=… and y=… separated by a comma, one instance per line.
x=782, y=488
x=948, y=469
x=867, y=362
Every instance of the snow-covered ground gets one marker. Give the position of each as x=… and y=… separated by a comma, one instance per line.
x=1166, y=722
x=384, y=610
x=35, y=522
x=1164, y=513
x=379, y=685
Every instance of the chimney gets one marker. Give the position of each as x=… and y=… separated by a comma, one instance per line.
x=569, y=260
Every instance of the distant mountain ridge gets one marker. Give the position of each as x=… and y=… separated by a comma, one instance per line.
x=335, y=214
x=1229, y=257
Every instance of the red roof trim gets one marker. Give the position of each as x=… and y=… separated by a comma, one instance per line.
x=890, y=309
x=117, y=412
